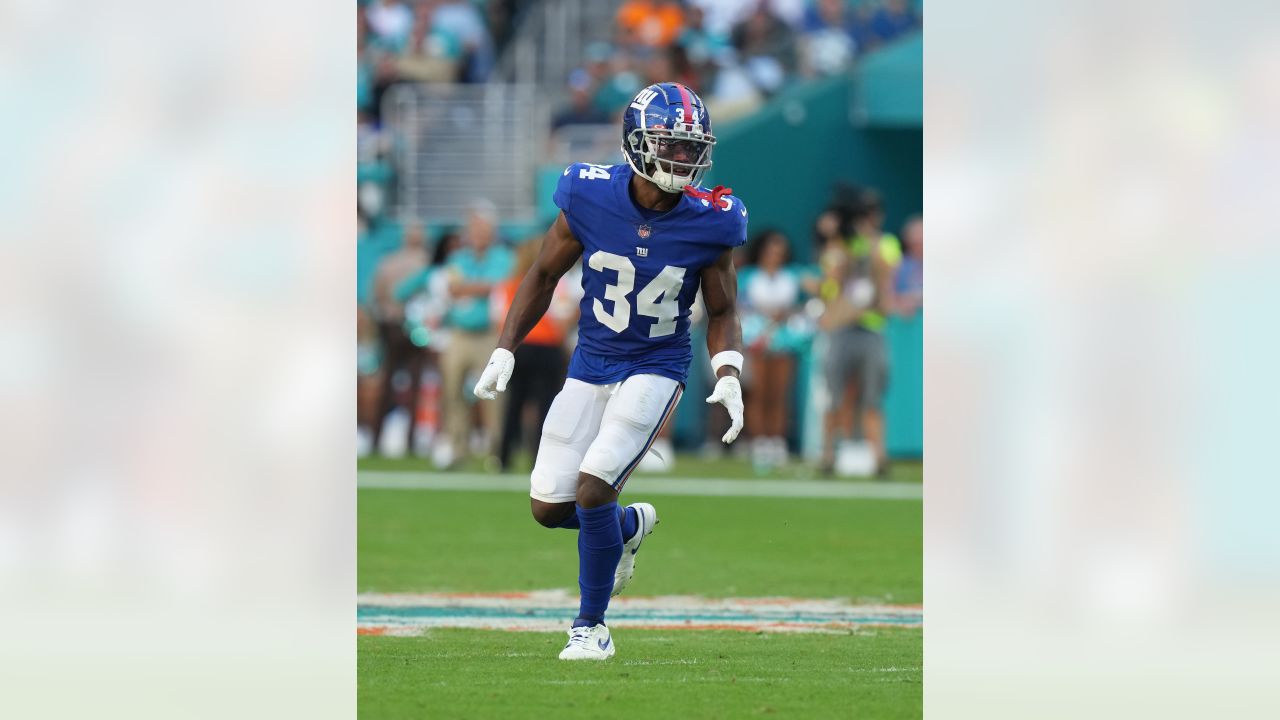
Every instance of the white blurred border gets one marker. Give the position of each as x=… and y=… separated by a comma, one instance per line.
x=1101, y=360
x=177, y=500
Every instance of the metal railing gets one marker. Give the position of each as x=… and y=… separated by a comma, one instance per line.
x=453, y=144
x=551, y=40
x=585, y=143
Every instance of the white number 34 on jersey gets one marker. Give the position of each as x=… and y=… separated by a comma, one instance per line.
x=657, y=300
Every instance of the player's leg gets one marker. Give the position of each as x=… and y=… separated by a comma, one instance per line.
x=571, y=425
x=779, y=371
x=550, y=370
x=632, y=418
x=394, y=356
x=836, y=372
x=599, y=548
x=874, y=378
x=457, y=413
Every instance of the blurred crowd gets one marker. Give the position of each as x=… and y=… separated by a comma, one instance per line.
x=736, y=53
x=433, y=41
x=435, y=308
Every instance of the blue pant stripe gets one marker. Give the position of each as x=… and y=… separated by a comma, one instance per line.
x=671, y=404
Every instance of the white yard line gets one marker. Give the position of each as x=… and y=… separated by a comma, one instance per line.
x=714, y=487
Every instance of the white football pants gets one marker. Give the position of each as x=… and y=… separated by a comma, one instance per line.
x=601, y=430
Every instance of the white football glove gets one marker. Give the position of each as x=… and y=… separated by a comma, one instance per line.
x=728, y=393
x=496, y=374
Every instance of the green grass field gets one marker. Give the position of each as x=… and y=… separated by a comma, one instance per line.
x=656, y=674
x=868, y=551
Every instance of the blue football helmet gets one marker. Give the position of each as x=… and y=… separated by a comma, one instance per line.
x=666, y=136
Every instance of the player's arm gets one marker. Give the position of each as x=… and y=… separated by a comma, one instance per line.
x=724, y=337
x=560, y=249
x=720, y=296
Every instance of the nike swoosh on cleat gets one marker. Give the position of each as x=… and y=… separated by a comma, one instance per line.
x=604, y=644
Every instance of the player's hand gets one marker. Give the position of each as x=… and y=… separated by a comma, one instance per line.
x=728, y=393
x=496, y=374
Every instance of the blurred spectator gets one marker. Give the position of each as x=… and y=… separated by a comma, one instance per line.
x=733, y=92
x=398, y=353
x=701, y=46
x=364, y=68
x=790, y=11
x=540, y=360
x=771, y=298
x=858, y=292
x=722, y=15
x=431, y=55
x=389, y=22
x=909, y=279
x=698, y=39
x=463, y=21
x=621, y=82
x=828, y=43
x=581, y=110
x=667, y=65
x=881, y=22
x=828, y=246
x=425, y=295
x=598, y=59
x=651, y=23
x=766, y=47
x=681, y=69
x=368, y=389
x=501, y=17
x=719, y=16
x=474, y=270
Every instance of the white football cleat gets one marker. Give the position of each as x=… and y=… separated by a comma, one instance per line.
x=588, y=643
x=647, y=519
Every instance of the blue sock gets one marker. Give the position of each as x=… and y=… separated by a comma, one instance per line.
x=599, y=549
x=630, y=521
x=627, y=518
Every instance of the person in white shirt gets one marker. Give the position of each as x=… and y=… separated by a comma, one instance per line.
x=771, y=294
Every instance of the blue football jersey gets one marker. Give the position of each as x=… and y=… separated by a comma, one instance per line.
x=640, y=272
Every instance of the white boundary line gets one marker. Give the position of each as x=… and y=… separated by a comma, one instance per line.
x=712, y=487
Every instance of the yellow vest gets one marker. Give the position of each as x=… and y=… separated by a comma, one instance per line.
x=891, y=253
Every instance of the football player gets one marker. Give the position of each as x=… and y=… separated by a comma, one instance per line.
x=649, y=237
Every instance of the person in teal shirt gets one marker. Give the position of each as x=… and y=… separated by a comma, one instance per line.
x=474, y=270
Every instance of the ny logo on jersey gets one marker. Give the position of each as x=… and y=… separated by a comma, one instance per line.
x=642, y=251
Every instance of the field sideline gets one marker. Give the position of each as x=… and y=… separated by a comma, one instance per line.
x=479, y=550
